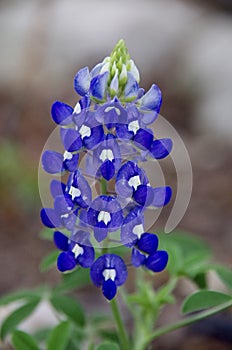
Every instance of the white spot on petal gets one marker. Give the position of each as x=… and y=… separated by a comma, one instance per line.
x=117, y=110
x=77, y=250
x=67, y=155
x=104, y=216
x=138, y=230
x=77, y=108
x=109, y=274
x=133, y=126
x=106, y=154
x=74, y=192
x=134, y=182
x=85, y=131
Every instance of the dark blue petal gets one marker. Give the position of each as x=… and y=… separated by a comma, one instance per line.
x=61, y=241
x=144, y=195
x=109, y=289
x=107, y=170
x=152, y=99
x=148, y=243
x=71, y=140
x=82, y=81
x=61, y=113
x=97, y=135
x=161, y=148
x=96, y=271
x=66, y=261
x=143, y=139
x=162, y=196
x=87, y=258
x=157, y=261
x=57, y=188
x=52, y=162
x=120, y=267
x=71, y=164
x=137, y=258
x=50, y=218
x=98, y=86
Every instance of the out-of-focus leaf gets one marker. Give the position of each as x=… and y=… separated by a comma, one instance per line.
x=204, y=299
x=70, y=307
x=47, y=233
x=18, y=316
x=74, y=280
x=23, y=341
x=49, y=261
x=108, y=346
x=59, y=336
x=224, y=274
x=26, y=294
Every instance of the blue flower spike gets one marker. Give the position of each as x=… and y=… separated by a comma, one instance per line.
x=101, y=190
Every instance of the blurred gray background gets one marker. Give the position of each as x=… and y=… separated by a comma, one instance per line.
x=183, y=46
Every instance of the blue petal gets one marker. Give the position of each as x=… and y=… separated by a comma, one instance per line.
x=137, y=258
x=143, y=139
x=98, y=86
x=109, y=289
x=82, y=81
x=61, y=241
x=57, y=188
x=157, y=261
x=61, y=113
x=87, y=258
x=144, y=195
x=134, y=218
x=63, y=204
x=162, y=196
x=131, y=88
x=50, y=218
x=100, y=233
x=71, y=164
x=97, y=135
x=115, y=261
x=161, y=148
x=71, y=140
x=52, y=162
x=96, y=271
x=148, y=243
x=69, y=221
x=107, y=170
x=66, y=261
x=152, y=99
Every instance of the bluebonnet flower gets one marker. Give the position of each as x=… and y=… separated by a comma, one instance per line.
x=109, y=272
x=106, y=136
x=75, y=251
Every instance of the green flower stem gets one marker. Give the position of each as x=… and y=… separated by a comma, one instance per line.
x=163, y=330
x=103, y=183
x=120, y=325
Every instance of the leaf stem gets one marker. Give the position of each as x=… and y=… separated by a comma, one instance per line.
x=122, y=334
x=183, y=323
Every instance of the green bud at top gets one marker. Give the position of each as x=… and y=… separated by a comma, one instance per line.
x=119, y=65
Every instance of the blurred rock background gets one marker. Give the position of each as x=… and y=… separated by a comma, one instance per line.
x=183, y=46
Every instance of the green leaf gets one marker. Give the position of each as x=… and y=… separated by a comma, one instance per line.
x=18, y=316
x=47, y=233
x=49, y=261
x=22, y=294
x=59, y=336
x=74, y=280
x=200, y=280
x=70, y=307
x=23, y=341
x=108, y=346
x=204, y=299
x=224, y=274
